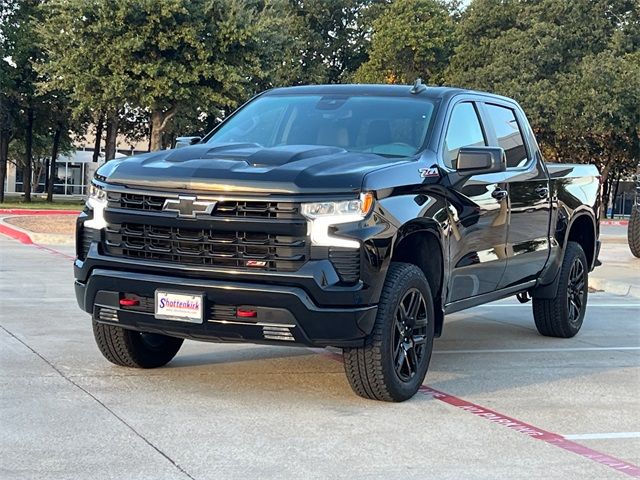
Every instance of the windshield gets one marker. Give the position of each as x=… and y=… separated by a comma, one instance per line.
x=394, y=126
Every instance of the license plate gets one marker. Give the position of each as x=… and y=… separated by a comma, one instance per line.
x=182, y=307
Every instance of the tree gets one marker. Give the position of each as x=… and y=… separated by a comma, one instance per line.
x=160, y=57
x=411, y=39
x=562, y=60
x=334, y=37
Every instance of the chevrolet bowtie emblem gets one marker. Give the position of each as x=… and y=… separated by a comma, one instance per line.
x=188, y=207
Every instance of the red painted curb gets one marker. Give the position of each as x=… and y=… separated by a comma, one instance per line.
x=28, y=211
x=16, y=234
x=615, y=223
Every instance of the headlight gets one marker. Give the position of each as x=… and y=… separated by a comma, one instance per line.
x=322, y=215
x=97, y=193
x=97, y=201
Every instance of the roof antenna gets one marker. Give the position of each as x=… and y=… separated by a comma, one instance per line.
x=418, y=86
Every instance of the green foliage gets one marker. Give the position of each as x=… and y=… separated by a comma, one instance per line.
x=412, y=38
x=572, y=65
x=170, y=67
x=333, y=37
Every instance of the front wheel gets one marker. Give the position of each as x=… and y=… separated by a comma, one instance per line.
x=129, y=348
x=562, y=316
x=394, y=360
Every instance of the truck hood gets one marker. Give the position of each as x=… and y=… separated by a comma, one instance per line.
x=247, y=168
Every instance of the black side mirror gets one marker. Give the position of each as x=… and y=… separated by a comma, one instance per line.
x=478, y=160
x=186, y=141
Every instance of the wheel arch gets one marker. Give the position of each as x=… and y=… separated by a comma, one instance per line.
x=582, y=230
x=416, y=243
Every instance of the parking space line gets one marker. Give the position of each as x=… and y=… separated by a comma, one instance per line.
x=537, y=350
x=521, y=427
x=517, y=305
x=602, y=436
x=534, y=432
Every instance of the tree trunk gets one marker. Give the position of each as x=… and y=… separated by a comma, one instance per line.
x=52, y=163
x=156, y=132
x=615, y=194
x=28, y=157
x=112, y=135
x=98, y=142
x=4, y=154
x=150, y=134
x=159, y=122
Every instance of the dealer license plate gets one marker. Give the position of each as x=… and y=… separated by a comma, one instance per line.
x=182, y=307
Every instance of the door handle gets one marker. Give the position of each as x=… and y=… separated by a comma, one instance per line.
x=499, y=194
x=542, y=192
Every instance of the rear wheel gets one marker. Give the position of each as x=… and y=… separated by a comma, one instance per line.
x=394, y=360
x=562, y=316
x=129, y=348
x=633, y=231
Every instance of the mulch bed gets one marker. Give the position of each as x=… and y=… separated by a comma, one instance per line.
x=57, y=224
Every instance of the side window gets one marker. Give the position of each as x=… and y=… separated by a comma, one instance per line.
x=509, y=135
x=464, y=131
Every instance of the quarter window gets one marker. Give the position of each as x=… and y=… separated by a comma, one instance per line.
x=464, y=131
x=509, y=135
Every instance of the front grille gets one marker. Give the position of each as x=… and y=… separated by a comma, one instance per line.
x=198, y=246
x=346, y=262
x=225, y=209
x=133, y=201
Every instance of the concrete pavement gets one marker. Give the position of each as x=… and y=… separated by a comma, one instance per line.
x=229, y=411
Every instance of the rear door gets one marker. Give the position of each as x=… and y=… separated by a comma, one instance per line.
x=527, y=246
x=478, y=209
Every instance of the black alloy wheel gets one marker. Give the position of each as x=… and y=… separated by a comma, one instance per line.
x=576, y=291
x=410, y=337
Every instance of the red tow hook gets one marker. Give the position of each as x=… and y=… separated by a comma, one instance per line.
x=129, y=302
x=245, y=313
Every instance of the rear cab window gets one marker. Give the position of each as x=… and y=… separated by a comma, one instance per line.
x=509, y=134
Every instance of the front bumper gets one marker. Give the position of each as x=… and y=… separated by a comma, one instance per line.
x=285, y=314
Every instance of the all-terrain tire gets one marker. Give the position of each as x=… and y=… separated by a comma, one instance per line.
x=563, y=315
x=633, y=231
x=129, y=348
x=372, y=370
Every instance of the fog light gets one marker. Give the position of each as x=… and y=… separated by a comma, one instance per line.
x=245, y=313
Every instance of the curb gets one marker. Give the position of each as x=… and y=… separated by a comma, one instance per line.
x=28, y=238
x=28, y=211
x=622, y=239
x=615, y=288
x=14, y=233
x=614, y=223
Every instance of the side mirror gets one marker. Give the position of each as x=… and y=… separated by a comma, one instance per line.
x=186, y=141
x=478, y=160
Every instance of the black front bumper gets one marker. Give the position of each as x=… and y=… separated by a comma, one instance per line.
x=286, y=314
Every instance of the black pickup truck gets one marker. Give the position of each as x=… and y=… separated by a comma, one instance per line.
x=351, y=216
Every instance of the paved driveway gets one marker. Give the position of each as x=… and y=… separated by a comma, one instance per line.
x=248, y=411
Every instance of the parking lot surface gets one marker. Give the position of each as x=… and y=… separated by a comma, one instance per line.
x=251, y=411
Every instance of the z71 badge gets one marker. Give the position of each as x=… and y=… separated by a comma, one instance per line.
x=429, y=172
